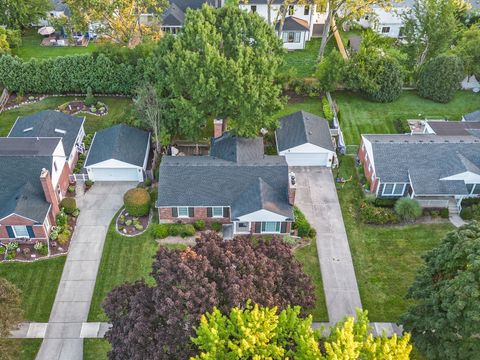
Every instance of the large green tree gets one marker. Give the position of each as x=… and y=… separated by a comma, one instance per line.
x=223, y=64
x=445, y=318
x=468, y=48
x=18, y=14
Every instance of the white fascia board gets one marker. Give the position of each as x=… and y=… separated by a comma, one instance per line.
x=112, y=164
x=261, y=215
x=369, y=150
x=306, y=148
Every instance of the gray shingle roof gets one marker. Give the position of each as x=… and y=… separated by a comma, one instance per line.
x=453, y=128
x=425, y=163
x=20, y=188
x=302, y=127
x=120, y=142
x=293, y=24
x=46, y=124
x=174, y=16
x=233, y=148
x=473, y=116
x=214, y=181
x=28, y=146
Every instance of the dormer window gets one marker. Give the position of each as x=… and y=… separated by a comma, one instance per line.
x=27, y=129
x=60, y=131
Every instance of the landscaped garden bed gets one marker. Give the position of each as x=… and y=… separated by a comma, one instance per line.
x=77, y=106
x=471, y=209
x=16, y=100
x=129, y=225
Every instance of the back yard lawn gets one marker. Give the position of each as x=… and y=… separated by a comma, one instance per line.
x=31, y=47
x=385, y=258
x=360, y=116
x=302, y=62
x=39, y=282
x=119, y=110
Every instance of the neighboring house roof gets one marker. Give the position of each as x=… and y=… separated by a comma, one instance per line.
x=245, y=182
x=293, y=23
x=49, y=123
x=175, y=14
x=21, y=191
x=58, y=5
x=264, y=2
x=119, y=142
x=473, y=116
x=28, y=146
x=354, y=42
x=301, y=128
x=453, y=128
x=424, y=161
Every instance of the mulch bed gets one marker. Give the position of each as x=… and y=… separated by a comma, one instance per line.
x=76, y=106
x=131, y=230
x=16, y=100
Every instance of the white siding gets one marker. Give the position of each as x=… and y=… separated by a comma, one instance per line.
x=119, y=174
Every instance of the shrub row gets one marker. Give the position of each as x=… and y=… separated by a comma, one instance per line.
x=371, y=214
x=327, y=110
x=471, y=212
x=303, y=227
x=161, y=231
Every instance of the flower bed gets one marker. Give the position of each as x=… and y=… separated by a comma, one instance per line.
x=77, y=106
x=23, y=251
x=15, y=100
x=129, y=225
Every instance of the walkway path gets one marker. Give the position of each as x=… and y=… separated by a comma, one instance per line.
x=456, y=220
x=74, y=294
x=316, y=197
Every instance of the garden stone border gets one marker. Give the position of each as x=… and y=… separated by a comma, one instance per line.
x=36, y=259
x=150, y=216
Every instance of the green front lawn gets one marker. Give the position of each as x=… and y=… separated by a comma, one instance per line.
x=27, y=349
x=302, y=63
x=95, y=349
x=309, y=257
x=31, y=47
x=119, y=110
x=385, y=258
x=361, y=116
x=38, y=282
x=312, y=105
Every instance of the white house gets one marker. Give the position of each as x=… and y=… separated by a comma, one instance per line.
x=388, y=23
x=304, y=139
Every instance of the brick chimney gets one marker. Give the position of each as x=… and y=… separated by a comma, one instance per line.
x=49, y=192
x=292, y=188
x=217, y=128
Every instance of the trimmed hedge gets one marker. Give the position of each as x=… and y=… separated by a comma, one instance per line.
x=301, y=224
x=69, y=205
x=161, y=231
x=370, y=214
x=137, y=202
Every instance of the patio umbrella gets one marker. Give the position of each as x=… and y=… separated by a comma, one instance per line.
x=46, y=30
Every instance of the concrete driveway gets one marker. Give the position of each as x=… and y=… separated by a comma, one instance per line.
x=72, y=302
x=316, y=197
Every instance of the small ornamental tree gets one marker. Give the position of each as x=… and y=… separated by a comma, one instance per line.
x=89, y=99
x=440, y=77
x=157, y=322
x=137, y=202
x=69, y=205
x=445, y=316
x=408, y=209
x=330, y=71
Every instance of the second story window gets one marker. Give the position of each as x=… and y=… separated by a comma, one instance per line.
x=291, y=9
x=306, y=10
x=253, y=8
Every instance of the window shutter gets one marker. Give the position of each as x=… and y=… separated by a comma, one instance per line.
x=11, y=235
x=191, y=212
x=31, y=234
x=258, y=227
x=283, y=228
x=209, y=212
x=226, y=212
x=174, y=212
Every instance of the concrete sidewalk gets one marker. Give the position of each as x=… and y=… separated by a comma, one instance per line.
x=72, y=302
x=316, y=197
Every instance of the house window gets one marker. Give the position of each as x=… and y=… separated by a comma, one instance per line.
x=291, y=9
x=20, y=231
x=391, y=189
x=182, y=211
x=401, y=32
x=270, y=227
x=306, y=10
x=253, y=8
x=291, y=37
x=473, y=189
x=55, y=166
x=385, y=29
x=243, y=227
x=217, y=211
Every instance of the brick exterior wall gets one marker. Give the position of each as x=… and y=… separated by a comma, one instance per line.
x=199, y=213
x=38, y=229
x=252, y=228
x=365, y=161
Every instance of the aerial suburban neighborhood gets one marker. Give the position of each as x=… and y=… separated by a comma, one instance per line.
x=254, y=179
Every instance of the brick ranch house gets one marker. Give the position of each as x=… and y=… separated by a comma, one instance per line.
x=437, y=170
x=236, y=185
x=37, y=158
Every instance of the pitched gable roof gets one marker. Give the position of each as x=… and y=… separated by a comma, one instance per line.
x=120, y=142
x=453, y=128
x=293, y=23
x=301, y=128
x=49, y=123
x=233, y=148
x=28, y=146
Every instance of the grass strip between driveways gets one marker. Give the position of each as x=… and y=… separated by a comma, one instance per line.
x=27, y=348
x=385, y=258
x=38, y=282
x=95, y=349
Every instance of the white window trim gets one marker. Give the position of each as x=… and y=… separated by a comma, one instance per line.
x=393, y=189
x=213, y=211
x=474, y=187
x=241, y=231
x=271, y=232
x=178, y=212
x=20, y=236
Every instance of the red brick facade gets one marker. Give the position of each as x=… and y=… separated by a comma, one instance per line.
x=38, y=229
x=368, y=168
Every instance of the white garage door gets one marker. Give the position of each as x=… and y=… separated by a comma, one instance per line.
x=122, y=174
x=307, y=159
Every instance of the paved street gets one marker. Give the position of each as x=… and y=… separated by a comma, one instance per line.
x=62, y=339
x=317, y=198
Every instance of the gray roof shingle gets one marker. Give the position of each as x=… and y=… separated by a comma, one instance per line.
x=46, y=124
x=119, y=142
x=453, y=128
x=473, y=116
x=233, y=148
x=302, y=127
x=28, y=146
x=292, y=23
